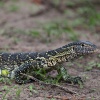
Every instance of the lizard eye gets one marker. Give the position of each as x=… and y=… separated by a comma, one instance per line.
x=82, y=45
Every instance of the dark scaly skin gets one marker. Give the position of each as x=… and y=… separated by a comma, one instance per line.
x=26, y=62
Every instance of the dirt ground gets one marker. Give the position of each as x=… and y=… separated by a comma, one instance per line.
x=15, y=22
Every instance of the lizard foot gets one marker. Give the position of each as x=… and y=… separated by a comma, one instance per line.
x=74, y=80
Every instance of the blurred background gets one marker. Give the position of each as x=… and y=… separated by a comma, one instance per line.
x=37, y=25
x=40, y=25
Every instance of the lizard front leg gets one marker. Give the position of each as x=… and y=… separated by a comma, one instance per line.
x=24, y=69
x=68, y=78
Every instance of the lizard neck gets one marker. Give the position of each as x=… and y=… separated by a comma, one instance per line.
x=59, y=55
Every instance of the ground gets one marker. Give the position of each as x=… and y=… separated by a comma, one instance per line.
x=22, y=32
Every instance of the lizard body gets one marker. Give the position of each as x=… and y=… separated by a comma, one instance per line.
x=17, y=63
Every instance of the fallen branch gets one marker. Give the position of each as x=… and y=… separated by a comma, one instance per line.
x=57, y=97
x=74, y=97
x=43, y=83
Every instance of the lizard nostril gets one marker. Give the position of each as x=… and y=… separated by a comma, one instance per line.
x=82, y=45
x=73, y=48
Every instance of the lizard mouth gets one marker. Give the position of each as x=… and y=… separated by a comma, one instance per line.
x=83, y=52
x=96, y=50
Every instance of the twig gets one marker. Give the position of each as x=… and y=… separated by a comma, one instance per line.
x=41, y=12
x=74, y=97
x=41, y=82
x=57, y=97
x=83, y=4
x=48, y=5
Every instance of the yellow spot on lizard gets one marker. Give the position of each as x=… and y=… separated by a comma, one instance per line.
x=4, y=72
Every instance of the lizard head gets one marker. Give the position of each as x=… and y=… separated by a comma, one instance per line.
x=83, y=47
